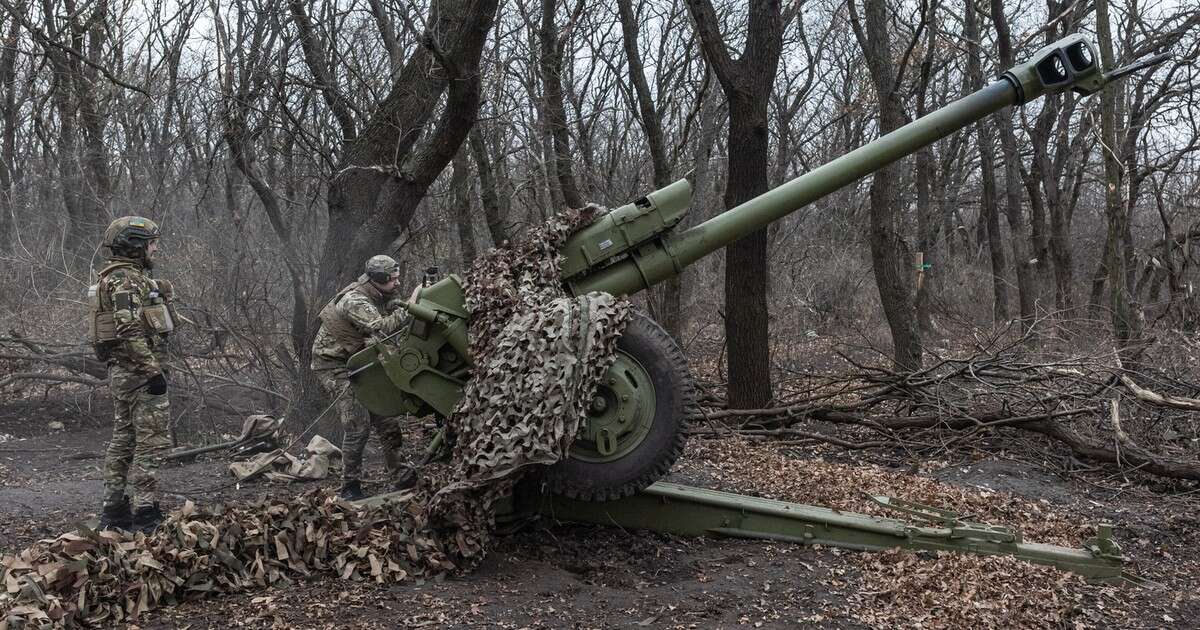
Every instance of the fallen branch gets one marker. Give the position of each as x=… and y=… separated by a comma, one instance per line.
x=46, y=376
x=1174, y=402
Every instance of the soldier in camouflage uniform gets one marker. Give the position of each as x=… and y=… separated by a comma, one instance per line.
x=131, y=316
x=363, y=310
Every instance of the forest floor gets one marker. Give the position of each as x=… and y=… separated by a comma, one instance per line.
x=592, y=577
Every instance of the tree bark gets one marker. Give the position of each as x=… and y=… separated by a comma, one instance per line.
x=460, y=186
x=489, y=197
x=927, y=226
x=890, y=257
x=747, y=83
x=1018, y=234
x=386, y=169
x=1126, y=327
x=989, y=216
x=550, y=61
x=9, y=173
x=82, y=157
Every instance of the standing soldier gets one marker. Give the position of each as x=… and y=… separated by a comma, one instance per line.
x=362, y=310
x=131, y=317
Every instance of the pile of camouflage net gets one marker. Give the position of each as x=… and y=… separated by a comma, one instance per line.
x=538, y=354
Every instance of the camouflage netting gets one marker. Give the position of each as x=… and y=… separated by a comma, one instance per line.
x=539, y=355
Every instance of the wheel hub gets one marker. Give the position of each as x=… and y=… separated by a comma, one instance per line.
x=620, y=413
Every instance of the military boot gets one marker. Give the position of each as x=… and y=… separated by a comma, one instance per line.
x=351, y=490
x=146, y=518
x=116, y=516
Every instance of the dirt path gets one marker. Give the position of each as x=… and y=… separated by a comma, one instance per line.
x=603, y=577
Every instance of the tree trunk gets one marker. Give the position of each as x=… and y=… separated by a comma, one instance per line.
x=927, y=226
x=460, y=186
x=83, y=172
x=747, y=83
x=669, y=295
x=9, y=173
x=1126, y=327
x=1018, y=239
x=385, y=156
x=488, y=195
x=550, y=64
x=890, y=258
x=989, y=216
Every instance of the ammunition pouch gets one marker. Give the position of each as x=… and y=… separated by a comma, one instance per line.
x=102, y=329
x=158, y=315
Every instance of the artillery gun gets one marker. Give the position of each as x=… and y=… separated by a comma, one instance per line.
x=633, y=432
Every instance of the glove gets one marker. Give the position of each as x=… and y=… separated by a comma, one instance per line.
x=157, y=385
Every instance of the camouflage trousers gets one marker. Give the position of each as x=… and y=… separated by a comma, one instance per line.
x=357, y=423
x=140, y=438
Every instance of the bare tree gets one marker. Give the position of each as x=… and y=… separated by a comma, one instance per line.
x=890, y=256
x=489, y=196
x=10, y=175
x=386, y=164
x=1019, y=236
x=927, y=226
x=1126, y=326
x=747, y=83
x=73, y=44
x=460, y=189
x=248, y=86
x=989, y=213
x=551, y=41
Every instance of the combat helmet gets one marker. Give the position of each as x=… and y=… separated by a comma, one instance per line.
x=381, y=268
x=129, y=235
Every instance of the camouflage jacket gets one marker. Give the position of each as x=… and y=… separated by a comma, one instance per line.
x=124, y=290
x=349, y=321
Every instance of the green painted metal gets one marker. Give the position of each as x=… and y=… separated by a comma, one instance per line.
x=633, y=247
x=659, y=259
x=687, y=511
x=620, y=415
x=618, y=232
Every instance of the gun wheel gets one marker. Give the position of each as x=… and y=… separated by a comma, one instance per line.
x=634, y=430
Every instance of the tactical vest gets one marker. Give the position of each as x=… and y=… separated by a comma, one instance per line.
x=347, y=335
x=157, y=314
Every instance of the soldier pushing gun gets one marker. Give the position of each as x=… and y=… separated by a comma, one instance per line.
x=363, y=310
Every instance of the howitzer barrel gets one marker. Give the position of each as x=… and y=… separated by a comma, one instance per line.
x=1067, y=63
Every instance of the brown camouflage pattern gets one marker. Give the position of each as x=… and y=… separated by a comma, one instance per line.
x=539, y=356
x=506, y=423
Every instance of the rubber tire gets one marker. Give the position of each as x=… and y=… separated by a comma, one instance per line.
x=674, y=393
